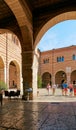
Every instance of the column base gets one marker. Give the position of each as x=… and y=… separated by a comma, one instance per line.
x=27, y=96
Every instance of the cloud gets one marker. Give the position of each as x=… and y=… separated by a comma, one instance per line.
x=61, y=35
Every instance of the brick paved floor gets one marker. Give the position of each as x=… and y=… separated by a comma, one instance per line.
x=23, y=115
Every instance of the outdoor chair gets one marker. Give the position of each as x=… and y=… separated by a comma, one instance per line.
x=6, y=93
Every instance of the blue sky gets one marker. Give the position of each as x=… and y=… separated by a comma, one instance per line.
x=61, y=35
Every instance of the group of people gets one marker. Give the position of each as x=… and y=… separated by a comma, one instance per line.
x=53, y=88
x=65, y=87
x=70, y=86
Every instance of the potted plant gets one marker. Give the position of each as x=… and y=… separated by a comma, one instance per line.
x=3, y=87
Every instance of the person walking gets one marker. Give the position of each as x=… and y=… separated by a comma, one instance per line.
x=48, y=88
x=74, y=86
x=62, y=87
x=71, y=89
x=53, y=88
x=65, y=86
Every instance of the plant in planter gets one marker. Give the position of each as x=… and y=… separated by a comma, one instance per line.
x=3, y=87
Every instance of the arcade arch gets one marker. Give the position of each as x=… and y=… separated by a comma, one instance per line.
x=46, y=78
x=70, y=15
x=55, y=20
x=60, y=76
x=14, y=75
x=73, y=76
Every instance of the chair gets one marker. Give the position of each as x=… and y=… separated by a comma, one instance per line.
x=11, y=93
x=17, y=93
x=6, y=93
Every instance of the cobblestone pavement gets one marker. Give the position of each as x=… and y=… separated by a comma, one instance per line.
x=23, y=115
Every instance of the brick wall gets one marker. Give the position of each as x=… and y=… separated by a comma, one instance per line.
x=48, y=63
x=10, y=51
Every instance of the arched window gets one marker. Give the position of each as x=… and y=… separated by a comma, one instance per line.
x=62, y=58
x=58, y=59
x=73, y=57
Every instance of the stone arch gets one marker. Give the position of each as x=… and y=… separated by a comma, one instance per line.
x=23, y=18
x=73, y=76
x=1, y=69
x=57, y=19
x=46, y=78
x=60, y=76
x=14, y=75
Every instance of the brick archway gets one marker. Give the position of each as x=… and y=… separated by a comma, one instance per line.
x=14, y=75
x=46, y=78
x=57, y=19
x=73, y=76
x=59, y=77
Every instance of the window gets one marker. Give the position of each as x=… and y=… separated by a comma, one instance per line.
x=60, y=59
x=74, y=57
x=46, y=61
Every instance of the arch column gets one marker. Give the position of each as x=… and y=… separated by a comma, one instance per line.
x=6, y=75
x=68, y=78
x=53, y=79
x=68, y=72
x=35, y=72
x=27, y=71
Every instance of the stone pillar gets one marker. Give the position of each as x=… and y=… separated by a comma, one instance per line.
x=53, y=79
x=68, y=72
x=27, y=72
x=7, y=63
x=6, y=76
x=21, y=83
x=68, y=78
x=35, y=72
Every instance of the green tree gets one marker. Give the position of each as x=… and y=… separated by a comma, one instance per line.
x=39, y=81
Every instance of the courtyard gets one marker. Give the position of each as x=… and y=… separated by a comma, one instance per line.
x=45, y=113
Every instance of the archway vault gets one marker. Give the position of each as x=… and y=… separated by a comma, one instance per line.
x=57, y=19
x=23, y=15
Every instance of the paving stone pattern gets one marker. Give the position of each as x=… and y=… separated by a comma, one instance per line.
x=22, y=115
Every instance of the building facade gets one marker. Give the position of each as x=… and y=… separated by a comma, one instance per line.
x=10, y=61
x=57, y=65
